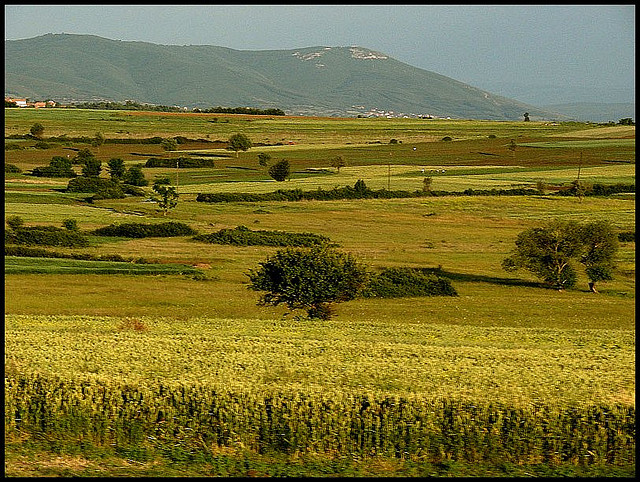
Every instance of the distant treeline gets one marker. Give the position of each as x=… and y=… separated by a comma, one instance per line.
x=240, y=110
x=130, y=105
x=361, y=191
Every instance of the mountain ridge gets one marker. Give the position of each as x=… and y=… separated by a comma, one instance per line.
x=319, y=80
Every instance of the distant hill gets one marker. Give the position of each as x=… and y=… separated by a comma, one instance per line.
x=307, y=81
x=594, y=111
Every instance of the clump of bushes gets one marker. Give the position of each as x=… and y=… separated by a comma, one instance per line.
x=243, y=236
x=408, y=282
x=627, y=236
x=45, y=236
x=103, y=188
x=11, y=168
x=140, y=230
x=59, y=166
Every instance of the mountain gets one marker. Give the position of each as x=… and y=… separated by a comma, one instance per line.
x=305, y=81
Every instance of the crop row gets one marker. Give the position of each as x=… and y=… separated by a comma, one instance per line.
x=196, y=416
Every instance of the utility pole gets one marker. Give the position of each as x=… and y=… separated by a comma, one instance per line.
x=177, y=162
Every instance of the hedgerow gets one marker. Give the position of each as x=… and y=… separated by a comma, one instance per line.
x=243, y=236
x=358, y=191
x=140, y=230
x=182, y=162
x=29, y=252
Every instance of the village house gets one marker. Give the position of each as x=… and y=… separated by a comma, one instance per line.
x=25, y=103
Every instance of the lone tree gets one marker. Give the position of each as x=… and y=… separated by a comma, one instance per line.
x=239, y=142
x=263, y=159
x=310, y=279
x=37, y=130
x=550, y=252
x=338, y=162
x=526, y=117
x=166, y=195
x=280, y=171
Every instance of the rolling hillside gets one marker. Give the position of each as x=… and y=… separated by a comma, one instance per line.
x=308, y=81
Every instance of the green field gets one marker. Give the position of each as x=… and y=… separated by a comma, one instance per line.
x=186, y=321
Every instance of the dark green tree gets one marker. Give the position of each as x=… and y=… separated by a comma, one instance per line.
x=166, y=195
x=550, y=252
x=263, y=159
x=116, y=168
x=239, y=142
x=169, y=144
x=600, y=245
x=98, y=139
x=311, y=279
x=135, y=177
x=92, y=167
x=280, y=171
x=547, y=252
x=338, y=162
x=59, y=166
x=37, y=130
x=82, y=156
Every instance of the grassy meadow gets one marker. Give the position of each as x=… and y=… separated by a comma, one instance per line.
x=184, y=330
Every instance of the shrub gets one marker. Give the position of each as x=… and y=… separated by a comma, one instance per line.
x=408, y=282
x=46, y=236
x=15, y=222
x=139, y=230
x=91, y=184
x=70, y=224
x=627, y=236
x=243, y=236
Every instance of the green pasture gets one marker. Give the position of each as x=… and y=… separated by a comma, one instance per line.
x=269, y=129
x=504, y=338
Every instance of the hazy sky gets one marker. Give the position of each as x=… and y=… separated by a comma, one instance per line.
x=535, y=53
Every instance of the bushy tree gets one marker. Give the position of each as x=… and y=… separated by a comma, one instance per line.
x=166, y=195
x=37, y=130
x=263, y=159
x=169, y=144
x=98, y=139
x=116, y=168
x=239, y=142
x=600, y=244
x=135, y=177
x=280, y=171
x=550, y=251
x=82, y=156
x=311, y=279
x=92, y=167
x=338, y=162
x=59, y=166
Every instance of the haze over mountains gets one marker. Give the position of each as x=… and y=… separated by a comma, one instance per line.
x=341, y=81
